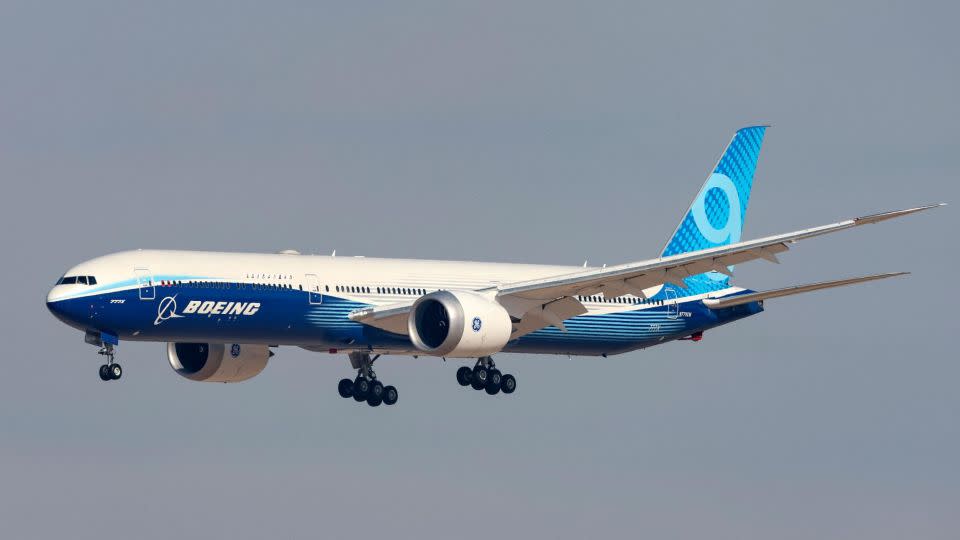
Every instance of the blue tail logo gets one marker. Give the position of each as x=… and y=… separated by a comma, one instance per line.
x=716, y=216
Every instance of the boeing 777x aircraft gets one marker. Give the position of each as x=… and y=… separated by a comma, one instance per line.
x=221, y=313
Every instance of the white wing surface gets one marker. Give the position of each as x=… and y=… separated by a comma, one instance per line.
x=549, y=301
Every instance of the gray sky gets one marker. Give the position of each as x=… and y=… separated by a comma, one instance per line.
x=517, y=131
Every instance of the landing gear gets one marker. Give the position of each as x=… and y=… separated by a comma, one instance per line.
x=485, y=376
x=366, y=387
x=110, y=371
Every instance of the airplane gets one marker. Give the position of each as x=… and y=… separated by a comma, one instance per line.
x=222, y=314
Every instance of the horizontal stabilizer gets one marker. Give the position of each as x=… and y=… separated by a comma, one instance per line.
x=717, y=303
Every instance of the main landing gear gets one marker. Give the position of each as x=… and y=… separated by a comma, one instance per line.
x=110, y=371
x=486, y=376
x=366, y=387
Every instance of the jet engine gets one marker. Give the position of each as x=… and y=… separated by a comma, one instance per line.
x=459, y=325
x=217, y=362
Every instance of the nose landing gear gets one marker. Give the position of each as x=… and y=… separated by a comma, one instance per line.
x=485, y=376
x=111, y=371
x=366, y=387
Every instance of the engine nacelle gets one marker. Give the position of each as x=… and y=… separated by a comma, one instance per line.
x=459, y=325
x=217, y=362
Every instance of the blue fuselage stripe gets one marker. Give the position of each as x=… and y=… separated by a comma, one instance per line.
x=282, y=316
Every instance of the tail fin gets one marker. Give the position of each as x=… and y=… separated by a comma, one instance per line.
x=716, y=215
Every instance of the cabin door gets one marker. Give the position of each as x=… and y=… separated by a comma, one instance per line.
x=314, y=295
x=673, y=309
x=145, y=283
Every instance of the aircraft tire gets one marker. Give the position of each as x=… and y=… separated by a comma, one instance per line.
x=464, y=375
x=345, y=388
x=479, y=377
x=104, y=372
x=508, y=384
x=361, y=387
x=390, y=395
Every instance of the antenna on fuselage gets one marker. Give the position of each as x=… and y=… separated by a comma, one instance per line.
x=334, y=254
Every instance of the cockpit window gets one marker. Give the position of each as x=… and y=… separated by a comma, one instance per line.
x=73, y=280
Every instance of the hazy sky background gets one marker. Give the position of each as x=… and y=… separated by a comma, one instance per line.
x=545, y=132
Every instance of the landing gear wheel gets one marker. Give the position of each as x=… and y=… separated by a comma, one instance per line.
x=374, y=401
x=104, y=372
x=389, y=395
x=508, y=384
x=376, y=390
x=479, y=378
x=493, y=382
x=115, y=371
x=345, y=388
x=361, y=387
x=464, y=375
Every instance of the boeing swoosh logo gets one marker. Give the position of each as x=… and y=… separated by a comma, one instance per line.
x=167, y=310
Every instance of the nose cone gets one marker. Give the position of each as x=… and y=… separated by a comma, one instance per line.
x=67, y=310
x=56, y=306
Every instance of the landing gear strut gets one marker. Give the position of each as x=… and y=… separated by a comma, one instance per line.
x=110, y=371
x=366, y=387
x=486, y=376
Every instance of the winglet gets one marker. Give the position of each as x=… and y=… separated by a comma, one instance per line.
x=883, y=216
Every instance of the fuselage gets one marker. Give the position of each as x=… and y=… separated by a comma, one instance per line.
x=305, y=300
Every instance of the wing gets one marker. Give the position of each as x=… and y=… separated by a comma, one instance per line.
x=389, y=317
x=547, y=300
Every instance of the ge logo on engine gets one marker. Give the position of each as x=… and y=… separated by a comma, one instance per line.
x=477, y=323
x=235, y=350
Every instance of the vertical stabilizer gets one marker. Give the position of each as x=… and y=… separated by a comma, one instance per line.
x=716, y=216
